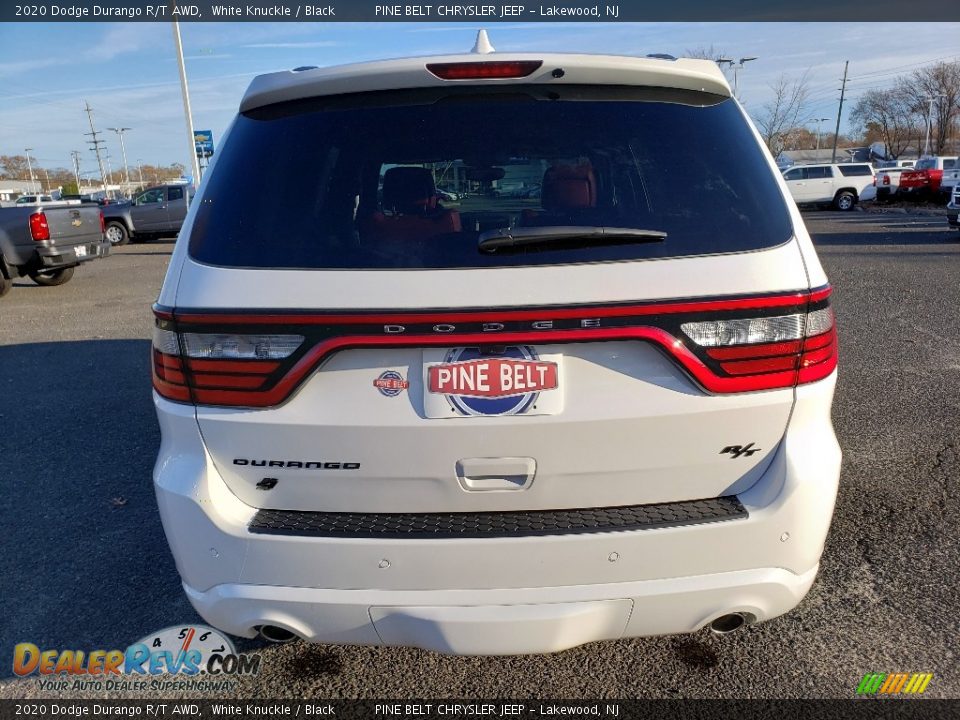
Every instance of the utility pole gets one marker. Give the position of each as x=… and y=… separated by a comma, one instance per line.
x=30, y=168
x=843, y=90
x=123, y=151
x=75, y=155
x=186, y=108
x=140, y=170
x=47, y=176
x=96, y=142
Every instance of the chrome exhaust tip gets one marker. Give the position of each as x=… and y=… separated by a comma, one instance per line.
x=274, y=634
x=728, y=623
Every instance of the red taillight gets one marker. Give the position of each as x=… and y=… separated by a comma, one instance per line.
x=819, y=356
x=768, y=352
x=103, y=225
x=489, y=69
x=211, y=368
x=39, y=230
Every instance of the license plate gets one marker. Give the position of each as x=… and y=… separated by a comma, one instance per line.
x=514, y=380
x=80, y=250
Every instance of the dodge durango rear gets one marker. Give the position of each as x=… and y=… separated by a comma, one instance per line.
x=494, y=354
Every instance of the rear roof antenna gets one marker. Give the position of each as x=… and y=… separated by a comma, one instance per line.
x=482, y=46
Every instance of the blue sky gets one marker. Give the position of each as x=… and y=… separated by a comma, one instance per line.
x=128, y=71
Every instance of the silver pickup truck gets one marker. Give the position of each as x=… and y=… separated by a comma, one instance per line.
x=47, y=243
x=155, y=212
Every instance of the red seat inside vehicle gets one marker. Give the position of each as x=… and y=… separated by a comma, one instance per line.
x=410, y=208
x=566, y=189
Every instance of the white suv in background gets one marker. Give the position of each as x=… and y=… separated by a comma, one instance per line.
x=511, y=426
x=841, y=185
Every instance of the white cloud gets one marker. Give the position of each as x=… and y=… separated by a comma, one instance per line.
x=310, y=44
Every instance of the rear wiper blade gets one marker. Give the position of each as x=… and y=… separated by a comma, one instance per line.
x=595, y=235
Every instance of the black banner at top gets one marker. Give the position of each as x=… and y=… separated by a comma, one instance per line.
x=479, y=12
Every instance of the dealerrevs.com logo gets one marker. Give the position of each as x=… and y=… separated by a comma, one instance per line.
x=189, y=651
x=894, y=683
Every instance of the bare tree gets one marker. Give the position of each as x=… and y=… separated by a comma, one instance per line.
x=15, y=166
x=941, y=82
x=890, y=113
x=702, y=52
x=786, y=111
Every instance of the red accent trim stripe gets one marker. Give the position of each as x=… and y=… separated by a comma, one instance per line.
x=776, y=363
x=764, y=365
x=204, y=380
x=493, y=315
x=820, y=293
x=817, y=356
x=171, y=376
x=162, y=313
x=818, y=341
x=167, y=361
x=232, y=366
x=169, y=390
x=819, y=363
x=670, y=344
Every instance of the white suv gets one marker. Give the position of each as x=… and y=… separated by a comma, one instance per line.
x=841, y=185
x=516, y=425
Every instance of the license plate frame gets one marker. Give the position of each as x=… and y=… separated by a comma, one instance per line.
x=533, y=402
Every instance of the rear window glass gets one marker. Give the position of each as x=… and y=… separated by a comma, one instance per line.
x=855, y=170
x=418, y=179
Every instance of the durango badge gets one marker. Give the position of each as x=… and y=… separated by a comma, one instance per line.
x=503, y=383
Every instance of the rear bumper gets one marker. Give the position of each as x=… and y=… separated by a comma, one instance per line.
x=67, y=255
x=501, y=595
x=503, y=622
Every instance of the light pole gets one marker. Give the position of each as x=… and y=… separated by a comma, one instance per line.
x=736, y=67
x=75, y=155
x=29, y=168
x=818, y=121
x=186, y=108
x=926, y=143
x=109, y=169
x=140, y=170
x=123, y=152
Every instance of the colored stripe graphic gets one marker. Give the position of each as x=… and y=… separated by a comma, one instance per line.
x=894, y=683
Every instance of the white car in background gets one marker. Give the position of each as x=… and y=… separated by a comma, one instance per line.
x=33, y=200
x=503, y=427
x=841, y=185
x=949, y=182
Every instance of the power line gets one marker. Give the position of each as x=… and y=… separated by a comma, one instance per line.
x=897, y=68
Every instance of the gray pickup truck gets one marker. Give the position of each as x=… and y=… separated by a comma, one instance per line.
x=155, y=212
x=48, y=242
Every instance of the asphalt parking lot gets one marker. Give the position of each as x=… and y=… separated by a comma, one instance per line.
x=86, y=566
